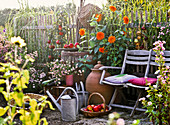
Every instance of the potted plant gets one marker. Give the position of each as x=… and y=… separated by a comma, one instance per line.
x=60, y=69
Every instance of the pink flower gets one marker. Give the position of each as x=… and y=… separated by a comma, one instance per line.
x=167, y=67
x=149, y=103
x=157, y=59
x=149, y=83
x=163, y=48
x=159, y=76
x=120, y=121
x=163, y=81
x=162, y=53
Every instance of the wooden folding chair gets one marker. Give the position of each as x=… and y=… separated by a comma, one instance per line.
x=153, y=66
x=138, y=58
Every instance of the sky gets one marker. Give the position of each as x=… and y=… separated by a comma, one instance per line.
x=37, y=3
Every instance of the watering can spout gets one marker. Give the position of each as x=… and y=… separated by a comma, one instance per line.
x=53, y=99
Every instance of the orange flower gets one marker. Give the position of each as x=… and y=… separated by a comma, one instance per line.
x=101, y=50
x=126, y=20
x=99, y=16
x=111, y=39
x=112, y=8
x=82, y=32
x=100, y=35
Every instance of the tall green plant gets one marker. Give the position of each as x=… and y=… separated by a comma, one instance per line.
x=20, y=78
x=108, y=40
x=157, y=101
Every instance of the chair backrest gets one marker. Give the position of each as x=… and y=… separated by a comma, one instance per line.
x=138, y=58
x=154, y=65
x=166, y=55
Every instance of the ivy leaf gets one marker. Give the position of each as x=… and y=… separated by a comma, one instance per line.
x=103, y=29
x=115, y=59
x=92, y=43
x=89, y=66
x=99, y=56
x=2, y=81
x=92, y=34
x=44, y=121
x=121, y=48
x=33, y=104
x=3, y=110
x=96, y=49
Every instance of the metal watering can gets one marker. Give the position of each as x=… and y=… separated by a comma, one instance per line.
x=68, y=107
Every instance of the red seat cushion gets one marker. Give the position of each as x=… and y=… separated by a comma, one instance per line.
x=142, y=81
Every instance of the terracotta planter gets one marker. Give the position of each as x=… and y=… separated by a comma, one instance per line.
x=93, y=85
x=69, y=80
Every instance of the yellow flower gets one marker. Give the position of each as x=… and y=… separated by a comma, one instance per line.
x=18, y=41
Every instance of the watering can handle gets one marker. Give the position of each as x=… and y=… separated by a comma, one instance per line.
x=69, y=88
x=81, y=86
x=84, y=96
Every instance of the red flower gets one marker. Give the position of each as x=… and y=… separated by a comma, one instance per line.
x=61, y=33
x=60, y=28
x=100, y=35
x=126, y=20
x=101, y=50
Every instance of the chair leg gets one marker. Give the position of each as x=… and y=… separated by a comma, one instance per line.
x=136, y=104
x=114, y=96
x=123, y=96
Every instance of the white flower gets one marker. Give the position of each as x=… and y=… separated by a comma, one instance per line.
x=120, y=121
x=142, y=99
x=148, y=96
x=135, y=121
x=160, y=95
x=146, y=88
x=111, y=116
x=149, y=103
x=155, y=86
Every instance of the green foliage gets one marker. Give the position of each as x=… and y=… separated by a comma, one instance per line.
x=20, y=78
x=157, y=100
x=112, y=53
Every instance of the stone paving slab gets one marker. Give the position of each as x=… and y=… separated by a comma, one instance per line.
x=54, y=118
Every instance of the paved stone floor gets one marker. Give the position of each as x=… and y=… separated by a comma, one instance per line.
x=54, y=117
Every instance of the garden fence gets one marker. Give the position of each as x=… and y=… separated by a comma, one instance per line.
x=34, y=29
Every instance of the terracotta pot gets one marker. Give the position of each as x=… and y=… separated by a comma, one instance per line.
x=69, y=80
x=93, y=85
